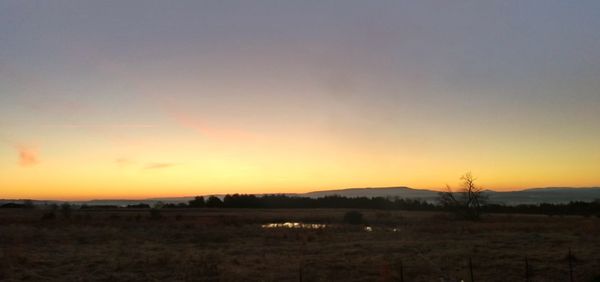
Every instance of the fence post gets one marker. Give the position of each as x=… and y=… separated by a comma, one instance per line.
x=526, y=270
x=570, y=257
x=401, y=271
x=300, y=272
x=471, y=269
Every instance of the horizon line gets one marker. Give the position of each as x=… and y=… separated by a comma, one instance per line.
x=278, y=193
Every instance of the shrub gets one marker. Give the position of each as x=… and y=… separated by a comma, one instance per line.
x=353, y=217
x=139, y=206
x=197, y=202
x=155, y=214
x=65, y=210
x=214, y=202
x=48, y=215
x=28, y=204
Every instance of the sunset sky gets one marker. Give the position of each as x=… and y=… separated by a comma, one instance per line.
x=136, y=99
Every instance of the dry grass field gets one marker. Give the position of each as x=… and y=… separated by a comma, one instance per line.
x=231, y=245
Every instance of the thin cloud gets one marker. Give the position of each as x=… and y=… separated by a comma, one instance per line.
x=220, y=132
x=124, y=162
x=102, y=125
x=27, y=156
x=158, y=165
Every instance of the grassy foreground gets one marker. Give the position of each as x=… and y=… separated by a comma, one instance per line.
x=231, y=245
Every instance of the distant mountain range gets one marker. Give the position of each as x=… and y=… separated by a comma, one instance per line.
x=527, y=196
x=545, y=195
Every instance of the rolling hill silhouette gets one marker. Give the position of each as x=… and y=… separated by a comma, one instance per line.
x=527, y=196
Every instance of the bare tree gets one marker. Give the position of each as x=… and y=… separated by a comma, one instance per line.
x=468, y=201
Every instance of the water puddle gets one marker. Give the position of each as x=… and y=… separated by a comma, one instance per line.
x=301, y=225
x=296, y=225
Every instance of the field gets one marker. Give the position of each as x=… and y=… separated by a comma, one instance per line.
x=232, y=245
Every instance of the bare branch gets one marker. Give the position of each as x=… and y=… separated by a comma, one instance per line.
x=468, y=201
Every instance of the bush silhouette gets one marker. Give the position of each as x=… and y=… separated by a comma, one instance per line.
x=65, y=210
x=214, y=202
x=353, y=217
x=28, y=204
x=139, y=206
x=48, y=215
x=197, y=202
x=155, y=214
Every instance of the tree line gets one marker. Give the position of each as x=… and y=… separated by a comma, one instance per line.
x=468, y=202
x=284, y=201
x=385, y=203
x=458, y=205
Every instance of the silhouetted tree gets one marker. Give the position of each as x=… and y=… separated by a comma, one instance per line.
x=241, y=201
x=197, y=202
x=214, y=202
x=468, y=202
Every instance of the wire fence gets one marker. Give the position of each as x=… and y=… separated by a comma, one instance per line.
x=528, y=274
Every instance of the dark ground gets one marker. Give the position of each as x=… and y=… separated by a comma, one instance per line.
x=231, y=245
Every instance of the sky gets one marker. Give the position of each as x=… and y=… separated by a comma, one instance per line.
x=136, y=99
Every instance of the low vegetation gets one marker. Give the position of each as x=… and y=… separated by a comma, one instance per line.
x=353, y=217
x=246, y=237
x=241, y=201
x=217, y=244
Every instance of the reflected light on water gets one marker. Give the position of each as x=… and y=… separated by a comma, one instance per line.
x=300, y=225
x=294, y=225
